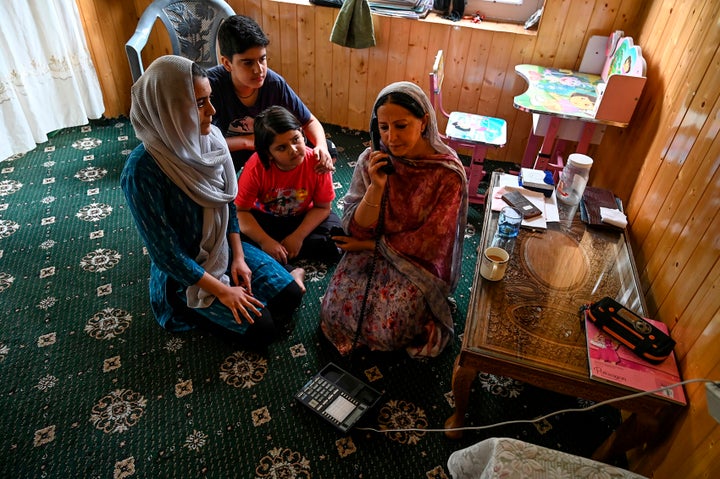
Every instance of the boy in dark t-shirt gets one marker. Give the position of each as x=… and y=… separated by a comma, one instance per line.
x=243, y=86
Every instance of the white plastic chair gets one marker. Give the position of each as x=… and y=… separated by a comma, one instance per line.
x=191, y=24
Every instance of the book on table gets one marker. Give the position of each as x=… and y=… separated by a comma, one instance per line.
x=613, y=363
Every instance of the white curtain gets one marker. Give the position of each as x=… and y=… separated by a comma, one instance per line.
x=47, y=79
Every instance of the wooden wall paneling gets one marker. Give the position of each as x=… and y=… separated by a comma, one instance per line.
x=630, y=16
x=438, y=39
x=397, y=47
x=688, y=187
x=688, y=78
x=654, y=114
x=479, y=54
x=457, y=56
x=672, y=460
x=551, y=26
x=306, y=56
x=291, y=50
x=518, y=122
x=377, y=70
x=358, y=84
x=602, y=18
x=672, y=90
x=678, y=45
x=271, y=25
x=572, y=41
x=499, y=64
x=695, y=451
x=461, y=73
x=415, y=63
x=324, y=21
x=100, y=57
x=658, y=14
x=119, y=25
x=158, y=43
x=670, y=185
x=696, y=323
x=340, y=83
x=109, y=25
x=689, y=260
x=682, y=457
x=706, y=460
x=250, y=8
x=690, y=47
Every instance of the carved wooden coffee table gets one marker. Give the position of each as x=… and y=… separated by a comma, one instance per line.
x=528, y=327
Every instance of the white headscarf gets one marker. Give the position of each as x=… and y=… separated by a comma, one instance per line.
x=165, y=116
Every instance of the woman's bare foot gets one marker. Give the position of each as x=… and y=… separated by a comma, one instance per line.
x=299, y=275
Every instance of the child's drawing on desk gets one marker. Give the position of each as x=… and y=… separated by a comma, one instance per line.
x=583, y=101
x=569, y=102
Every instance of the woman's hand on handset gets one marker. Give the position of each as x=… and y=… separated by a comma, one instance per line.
x=378, y=160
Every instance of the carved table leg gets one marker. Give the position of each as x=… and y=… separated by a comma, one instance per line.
x=633, y=432
x=461, y=381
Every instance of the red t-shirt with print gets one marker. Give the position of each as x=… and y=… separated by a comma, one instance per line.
x=283, y=193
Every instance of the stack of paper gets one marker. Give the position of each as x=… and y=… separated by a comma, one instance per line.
x=402, y=8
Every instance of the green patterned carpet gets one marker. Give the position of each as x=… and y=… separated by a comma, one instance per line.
x=92, y=387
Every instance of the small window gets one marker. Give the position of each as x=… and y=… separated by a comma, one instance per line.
x=511, y=11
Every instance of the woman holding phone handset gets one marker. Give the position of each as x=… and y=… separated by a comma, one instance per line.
x=405, y=232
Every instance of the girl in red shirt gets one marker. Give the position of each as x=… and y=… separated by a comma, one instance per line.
x=283, y=203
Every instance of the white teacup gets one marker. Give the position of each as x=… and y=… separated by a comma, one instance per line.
x=494, y=263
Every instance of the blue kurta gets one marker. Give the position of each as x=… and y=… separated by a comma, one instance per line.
x=170, y=224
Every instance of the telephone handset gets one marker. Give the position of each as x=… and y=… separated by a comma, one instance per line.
x=388, y=167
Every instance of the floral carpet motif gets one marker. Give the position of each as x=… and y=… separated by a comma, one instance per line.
x=92, y=387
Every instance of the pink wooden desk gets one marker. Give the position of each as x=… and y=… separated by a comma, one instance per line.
x=559, y=98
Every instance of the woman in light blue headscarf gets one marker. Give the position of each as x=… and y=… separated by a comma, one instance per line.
x=180, y=185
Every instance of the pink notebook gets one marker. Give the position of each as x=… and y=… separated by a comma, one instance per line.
x=613, y=363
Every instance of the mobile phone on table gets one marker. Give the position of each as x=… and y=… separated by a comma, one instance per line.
x=522, y=204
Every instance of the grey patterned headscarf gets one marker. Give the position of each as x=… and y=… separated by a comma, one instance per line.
x=416, y=93
x=165, y=116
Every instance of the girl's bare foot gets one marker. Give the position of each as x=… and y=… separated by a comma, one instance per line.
x=299, y=275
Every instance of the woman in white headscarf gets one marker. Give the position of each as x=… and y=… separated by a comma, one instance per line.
x=390, y=291
x=180, y=185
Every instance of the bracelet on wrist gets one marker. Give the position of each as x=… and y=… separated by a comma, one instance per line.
x=369, y=204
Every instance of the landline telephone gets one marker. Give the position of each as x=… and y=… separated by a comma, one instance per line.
x=377, y=145
x=338, y=397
